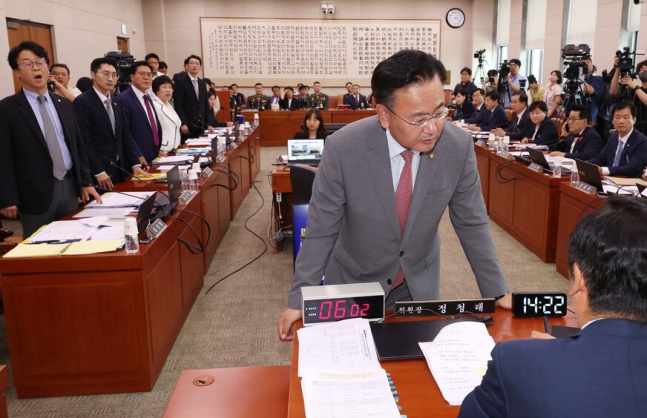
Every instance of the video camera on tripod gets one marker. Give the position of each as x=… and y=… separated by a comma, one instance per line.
x=576, y=69
x=123, y=61
x=625, y=62
x=480, y=70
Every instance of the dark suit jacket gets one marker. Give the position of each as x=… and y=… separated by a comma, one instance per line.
x=192, y=110
x=26, y=168
x=599, y=372
x=480, y=112
x=100, y=141
x=633, y=159
x=546, y=134
x=350, y=100
x=523, y=129
x=464, y=111
x=353, y=202
x=241, y=98
x=296, y=104
x=176, y=76
x=136, y=121
x=264, y=103
x=588, y=145
x=491, y=120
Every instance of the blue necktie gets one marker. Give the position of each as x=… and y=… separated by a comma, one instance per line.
x=616, y=161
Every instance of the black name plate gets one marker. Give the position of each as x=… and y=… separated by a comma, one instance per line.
x=444, y=307
x=586, y=188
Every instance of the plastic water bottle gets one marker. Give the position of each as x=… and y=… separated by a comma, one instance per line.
x=506, y=143
x=130, y=236
x=184, y=179
x=557, y=168
x=256, y=122
x=575, y=175
x=490, y=141
x=193, y=182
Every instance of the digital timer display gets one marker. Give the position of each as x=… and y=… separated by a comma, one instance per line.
x=336, y=309
x=533, y=304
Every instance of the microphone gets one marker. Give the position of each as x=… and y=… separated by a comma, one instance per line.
x=165, y=209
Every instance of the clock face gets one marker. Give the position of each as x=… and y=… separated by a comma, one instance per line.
x=335, y=309
x=533, y=304
x=455, y=18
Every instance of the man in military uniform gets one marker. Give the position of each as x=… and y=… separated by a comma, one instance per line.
x=318, y=99
x=258, y=101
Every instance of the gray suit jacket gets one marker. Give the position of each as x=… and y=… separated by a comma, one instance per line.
x=353, y=231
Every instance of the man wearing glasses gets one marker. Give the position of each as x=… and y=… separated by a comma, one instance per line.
x=382, y=187
x=43, y=164
x=190, y=100
x=582, y=141
x=102, y=124
x=140, y=113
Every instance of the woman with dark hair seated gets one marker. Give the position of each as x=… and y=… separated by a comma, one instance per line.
x=214, y=107
x=464, y=108
x=313, y=126
x=545, y=128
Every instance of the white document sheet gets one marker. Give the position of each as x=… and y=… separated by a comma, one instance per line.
x=120, y=200
x=339, y=346
x=458, y=358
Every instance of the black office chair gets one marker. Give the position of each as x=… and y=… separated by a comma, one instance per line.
x=333, y=127
x=301, y=177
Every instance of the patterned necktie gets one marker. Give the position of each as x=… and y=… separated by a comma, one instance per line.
x=402, y=201
x=54, y=147
x=616, y=161
x=195, y=87
x=151, y=119
x=111, y=115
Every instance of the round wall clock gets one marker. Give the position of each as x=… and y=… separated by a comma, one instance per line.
x=455, y=18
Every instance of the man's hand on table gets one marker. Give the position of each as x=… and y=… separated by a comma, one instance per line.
x=286, y=324
x=541, y=335
x=505, y=302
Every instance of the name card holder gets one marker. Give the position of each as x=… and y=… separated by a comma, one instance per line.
x=186, y=197
x=536, y=167
x=444, y=307
x=155, y=229
x=586, y=188
x=506, y=155
x=480, y=143
x=206, y=172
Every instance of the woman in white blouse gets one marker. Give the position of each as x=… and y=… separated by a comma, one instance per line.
x=552, y=90
x=170, y=121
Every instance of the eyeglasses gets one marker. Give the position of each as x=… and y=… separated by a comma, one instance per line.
x=38, y=63
x=422, y=122
x=572, y=119
x=194, y=63
x=145, y=75
x=108, y=74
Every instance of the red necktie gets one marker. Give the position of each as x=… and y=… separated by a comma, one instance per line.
x=402, y=201
x=357, y=100
x=151, y=119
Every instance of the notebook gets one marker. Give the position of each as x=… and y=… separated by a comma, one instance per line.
x=305, y=151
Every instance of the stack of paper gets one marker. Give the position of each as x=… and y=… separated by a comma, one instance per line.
x=458, y=358
x=341, y=376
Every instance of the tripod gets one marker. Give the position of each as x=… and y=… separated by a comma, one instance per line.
x=480, y=73
x=504, y=90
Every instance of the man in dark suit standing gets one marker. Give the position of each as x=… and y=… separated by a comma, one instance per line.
x=43, y=165
x=258, y=101
x=101, y=122
x=582, y=141
x=289, y=102
x=602, y=370
x=493, y=118
x=190, y=100
x=139, y=111
x=356, y=100
x=625, y=153
x=521, y=126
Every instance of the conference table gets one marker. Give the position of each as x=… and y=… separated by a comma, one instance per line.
x=105, y=323
x=281, y=125
x=418, y=392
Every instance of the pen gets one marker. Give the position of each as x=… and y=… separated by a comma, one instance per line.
x=546, y=325
x=55, y=241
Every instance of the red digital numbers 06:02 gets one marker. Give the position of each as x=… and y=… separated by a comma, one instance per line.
x=341, y=310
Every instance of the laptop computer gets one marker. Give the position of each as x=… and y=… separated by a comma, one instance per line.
x=305, y=151
x=589, y=174
x=538, y=157
x=144, y=213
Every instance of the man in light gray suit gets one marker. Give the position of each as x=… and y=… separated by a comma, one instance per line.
x=382, y=187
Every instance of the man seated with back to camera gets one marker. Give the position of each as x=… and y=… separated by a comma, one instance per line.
x=582, y=141
x=544, y=129
x=602, y=370
x=625, y=153
x=521, y=126
x=493, y=118
x=639, y=92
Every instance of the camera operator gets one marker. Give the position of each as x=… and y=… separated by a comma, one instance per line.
x=493, y=79
x=514, y=80
x=639, y=91
x=593, y=87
